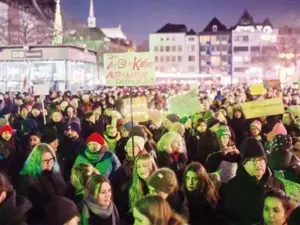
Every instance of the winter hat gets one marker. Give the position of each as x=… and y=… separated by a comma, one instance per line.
x=37, y=106
x=281, y=142
x=129, y=125
x=74, y=126
x=277, y=129
x=137, y=131
x=49, y=136
x=29, y=125
x=223, y=130
x=137, y=140
x=95, y=137
x=163, y=180
x=60, y=210
x=252, y=148
x=173, y=118
x=6, y=128
x=256, y=124
x=212, y=122
x=294, y=218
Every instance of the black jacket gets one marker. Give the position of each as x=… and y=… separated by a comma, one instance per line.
x=178, y=203
x=13, y=210
x=39, y=191
x=243, y=197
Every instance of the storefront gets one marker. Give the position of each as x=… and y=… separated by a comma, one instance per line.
x=65, y=67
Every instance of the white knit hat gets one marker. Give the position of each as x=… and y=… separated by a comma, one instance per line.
x=139, y=141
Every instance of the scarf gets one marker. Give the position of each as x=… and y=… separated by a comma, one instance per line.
x=90, y=204
x=95, y=157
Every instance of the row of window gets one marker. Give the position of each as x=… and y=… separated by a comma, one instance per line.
x=174, y=39
x=173, y=58
x=191, y=69
x=214, y=48
x=173, y=48
x=208, y=38
x=257, y=49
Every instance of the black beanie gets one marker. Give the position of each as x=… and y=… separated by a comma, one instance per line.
x=60, y=210
x=173, y=118
x=37, y=106
x=252, y=148
x=49, y=136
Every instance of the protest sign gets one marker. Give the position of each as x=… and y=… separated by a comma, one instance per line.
x=41, y=89
x=185, y=104
x=272, y=83
x=260, y=108
x=139, y=109
x=129, y=69
x=257, y=89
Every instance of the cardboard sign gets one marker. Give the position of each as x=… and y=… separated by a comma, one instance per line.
x=139, y=109
x=257, y=89
x=185, y=104
x=129, y=69
x=260, y=108
x=41, y=89
x=272, y=83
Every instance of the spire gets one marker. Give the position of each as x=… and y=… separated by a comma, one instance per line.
x=57, y=26
x=92, y=18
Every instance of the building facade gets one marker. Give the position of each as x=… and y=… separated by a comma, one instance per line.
x=215, y=49
x=254, y=49
x=176, y=49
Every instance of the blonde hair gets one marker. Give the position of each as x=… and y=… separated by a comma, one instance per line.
x=138, y=185
x=94, y=184
x=166, y=141
x=80, y=174
x=158, y=210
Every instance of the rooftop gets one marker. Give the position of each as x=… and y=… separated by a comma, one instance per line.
x=114, y=32
x=173, y=28
x=215, y=26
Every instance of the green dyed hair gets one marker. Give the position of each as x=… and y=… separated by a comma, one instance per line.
x=32, y=166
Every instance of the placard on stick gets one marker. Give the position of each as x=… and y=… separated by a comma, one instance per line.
x=260, y=108
x=140, y=109
x=185, y=104
x=129, y=69
x=257, y=89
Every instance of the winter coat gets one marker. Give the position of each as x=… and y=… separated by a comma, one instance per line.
x=239, y=128
x=69, y=150
x=200, y=146
x=59, y=128
x=105, y=162
x=87, y=128
x=120, y=148
x=13, y=210
x=178, y=203
x=200, y=211
x=40, y=121
x=243, y=196
x=39, y=191
x=111, y=142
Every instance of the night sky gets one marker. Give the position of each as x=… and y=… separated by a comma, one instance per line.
x=141, y=17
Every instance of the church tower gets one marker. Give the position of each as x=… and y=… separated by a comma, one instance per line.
x=92, y=18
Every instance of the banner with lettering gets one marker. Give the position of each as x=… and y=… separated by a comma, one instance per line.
x=260, y=108
x=185, y=104
x=129, y=69
x=139, y=108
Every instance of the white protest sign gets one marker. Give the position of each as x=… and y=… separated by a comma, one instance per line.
x=41, y=89
x=129, y=69
x=185, y=104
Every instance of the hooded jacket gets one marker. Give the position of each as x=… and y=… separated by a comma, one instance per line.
x=104, y=161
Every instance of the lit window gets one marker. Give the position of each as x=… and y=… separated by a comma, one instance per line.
x=215, y=60
x=204, y=39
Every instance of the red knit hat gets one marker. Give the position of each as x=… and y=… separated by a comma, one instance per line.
x=6, y=128
x=95, y=137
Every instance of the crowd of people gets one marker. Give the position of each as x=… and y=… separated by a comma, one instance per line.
x=76, y=160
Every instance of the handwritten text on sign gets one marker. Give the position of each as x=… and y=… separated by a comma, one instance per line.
x=185, y=104
x=129, y=69
x=260, y=108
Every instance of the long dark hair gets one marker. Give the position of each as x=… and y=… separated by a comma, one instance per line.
x=205, y=184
